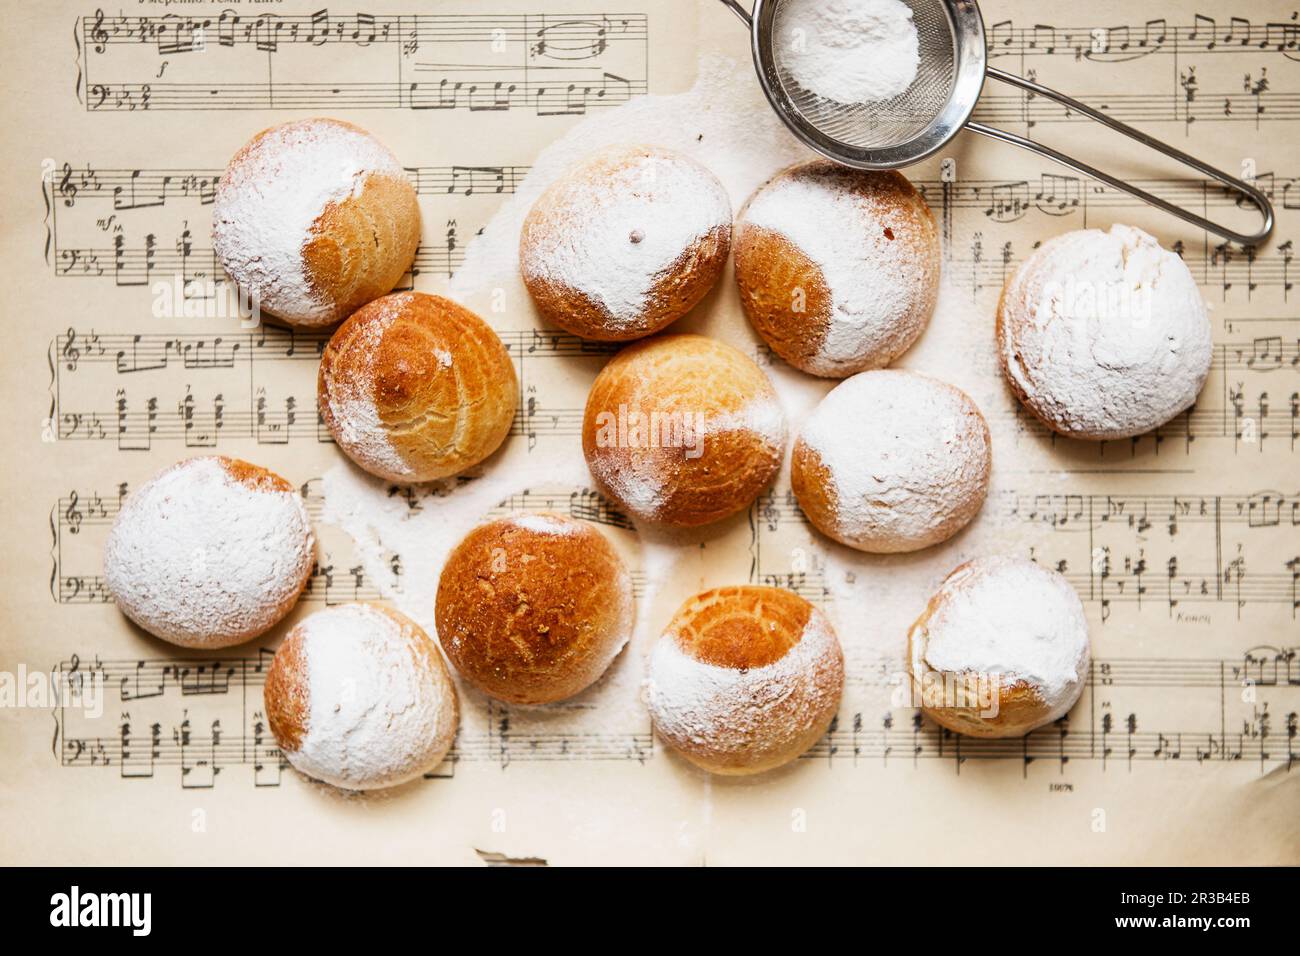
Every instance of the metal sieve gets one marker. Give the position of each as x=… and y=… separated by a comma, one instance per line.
x=919, y=121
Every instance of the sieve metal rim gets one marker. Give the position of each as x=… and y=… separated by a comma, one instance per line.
x=966, y=28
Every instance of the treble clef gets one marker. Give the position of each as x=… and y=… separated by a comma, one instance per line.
x=71, y=353
x=67, y=188
x=72, y=514
x=98, y=33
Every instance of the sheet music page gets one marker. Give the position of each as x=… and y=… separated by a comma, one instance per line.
x=118, y=359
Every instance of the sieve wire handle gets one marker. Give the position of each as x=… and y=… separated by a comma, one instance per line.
x=1245, y=189
x=735, y=7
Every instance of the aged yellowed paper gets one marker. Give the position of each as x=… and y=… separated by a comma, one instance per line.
x=121, y=357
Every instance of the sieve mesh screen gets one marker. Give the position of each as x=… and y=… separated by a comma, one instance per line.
x=885, y=123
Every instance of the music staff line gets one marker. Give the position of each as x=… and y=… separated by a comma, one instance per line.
x=554, y=64
x=212, y=422
x=1263, y=736
x=1104, y=572
x=147, y=188
x=1124, y=42
x=328, y=583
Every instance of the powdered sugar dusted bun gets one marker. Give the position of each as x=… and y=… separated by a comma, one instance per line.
x=1002, y=648
x=892, y=461
x=745, y=679
x=209, y=552
x=1104, y=334
x=682, y=430
x=625, y=243
x=838, y=268
x=358, y=696
x=313, y=219
x=533, y=608
x=414, y=387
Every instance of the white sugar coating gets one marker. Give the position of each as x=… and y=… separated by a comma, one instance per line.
x=352, y=401
x=1105, y=333
x=379, y=711
x=1009, y=617
x=881, y=288
x=763, y=416
x=200, y=558
x=266, y=207
x=612, y=236
x=544, y=523
x=643, y=489
x=907, y=455
x=850, y=51
x=730, y=709
x=639, y=490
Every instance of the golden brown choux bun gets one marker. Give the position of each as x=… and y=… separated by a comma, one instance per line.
x=532, y=608
x=625, y=243
x=414, y=387
x=209, y=552
x=1104, y=335
x=838, y=268
x=892, y=461
x=358, y=696
x=745, y=679
x=1001, y=649
x=682, y=430
x=313, y=219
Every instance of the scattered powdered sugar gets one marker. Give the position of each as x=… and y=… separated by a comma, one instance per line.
x=880, y=277
x=613, y=231
x=723, y=122
x=849, y=51
x=375, y=718
x=203, y=559
x=1010, y=617
x=904, y=452
x=1106, y=333
x=423, y=523
x=267, y=205
x=727, y=708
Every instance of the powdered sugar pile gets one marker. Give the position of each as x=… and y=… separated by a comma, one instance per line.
x=1105, y=333
x=267, y=204
x=904, y=452
x=375, y=717
x=727, y=708
x=1012, y=618
x=881, y=276
x=203, y=559
x=850, y=51
x=614, y=230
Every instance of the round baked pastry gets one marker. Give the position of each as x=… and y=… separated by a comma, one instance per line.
x=209, y=552
x=313, y=219
x=625, y=243
x=1104, y=334
x=1001, y=649
x=532, y=608
x=682, y=430
x=892, y=461
x=744, y=679
x=838, y=268
x=414, y=387
x=358, y=696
